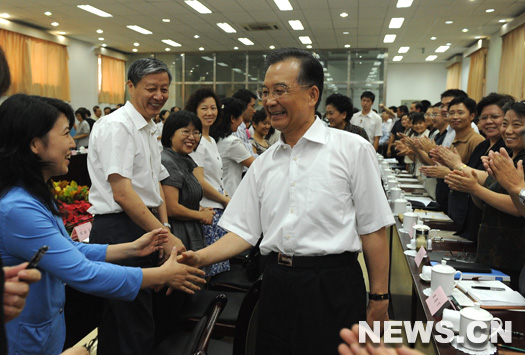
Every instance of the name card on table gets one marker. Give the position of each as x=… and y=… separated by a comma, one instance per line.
x=420, y=255
x=82, y=231
x=436, y=300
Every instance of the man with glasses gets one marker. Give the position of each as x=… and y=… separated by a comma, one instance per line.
x=316, y=197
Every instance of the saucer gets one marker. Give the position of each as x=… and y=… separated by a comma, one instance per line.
x=490, y=349
x=424, y=278
x=427, y=292
x=409, y=246
x=412, y=253
x=402, y=230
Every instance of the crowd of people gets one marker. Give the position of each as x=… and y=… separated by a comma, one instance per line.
x=189, y=189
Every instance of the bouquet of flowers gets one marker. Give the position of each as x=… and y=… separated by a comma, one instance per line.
x=72, y=203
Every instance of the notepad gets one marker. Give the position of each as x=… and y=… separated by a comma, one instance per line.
x=507, y=298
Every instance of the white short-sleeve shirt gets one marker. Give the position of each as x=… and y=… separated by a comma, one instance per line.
x=313, y=199
x=208, y=158
x=371, y=123
x=124, y=143
x=233, y=152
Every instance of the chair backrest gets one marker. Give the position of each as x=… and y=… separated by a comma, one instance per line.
x=200, y=336
x=246, y=325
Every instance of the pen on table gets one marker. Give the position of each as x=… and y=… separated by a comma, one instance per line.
x=511, y=348
x=488, y=288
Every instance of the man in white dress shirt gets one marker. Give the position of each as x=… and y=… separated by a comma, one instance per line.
x=368, y=119
x=316, y=197
x=125, y=170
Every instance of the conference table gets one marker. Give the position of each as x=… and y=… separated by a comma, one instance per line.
x=406, y=288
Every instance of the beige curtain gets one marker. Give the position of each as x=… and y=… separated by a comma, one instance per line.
x=113, y=82
x=454, y=76
x=477, y=74
x=512, y=67
x=37, y=67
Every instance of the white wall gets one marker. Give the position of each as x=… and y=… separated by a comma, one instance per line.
x=83, y=71
x=415, y=82
x=493, y=63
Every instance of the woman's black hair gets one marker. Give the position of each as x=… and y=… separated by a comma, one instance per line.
x=518, y=107
x=177, y=120
x=231, y=107
x=162, y=113
x=199, y=96
x=23, y=118
x=82, y=112
x=259, y=116
x=493, y=99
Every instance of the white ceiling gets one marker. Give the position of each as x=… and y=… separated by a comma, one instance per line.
x=367, y=23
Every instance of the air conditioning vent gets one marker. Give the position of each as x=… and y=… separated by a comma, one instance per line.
x=260, y=27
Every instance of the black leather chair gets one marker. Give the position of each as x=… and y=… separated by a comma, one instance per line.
x=196, y=342
x=243, y=330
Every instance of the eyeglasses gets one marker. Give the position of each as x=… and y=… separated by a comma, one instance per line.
x=277, y=91
x=451, y=114
x=492, y=117
x=196, y=134
x=432, y=115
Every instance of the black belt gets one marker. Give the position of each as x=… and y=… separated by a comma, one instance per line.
x=323, y=261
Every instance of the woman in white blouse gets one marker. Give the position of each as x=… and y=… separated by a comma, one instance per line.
x=206, y=105
x=231, y=148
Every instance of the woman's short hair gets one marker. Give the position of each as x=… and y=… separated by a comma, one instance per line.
x=342, y=103
x=259, y=116
x=82, y=112
x=177, y=120
x=518, y=107
x=199, y=96
x=23, y=118
x=493, y=99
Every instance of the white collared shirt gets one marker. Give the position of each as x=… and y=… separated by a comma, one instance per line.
x=124, y=143
x=313, y=199
x=208, y=158
x=371, y=123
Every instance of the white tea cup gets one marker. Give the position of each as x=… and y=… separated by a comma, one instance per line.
x=453, y=317
x=443, y=275
x=426, y=271
x=395, y=193
x=400, y=205
x=409, y=220
x=475, y=327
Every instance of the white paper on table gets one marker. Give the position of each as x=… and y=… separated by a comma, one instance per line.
x=407, y=179
x=437, y=216
x=424, y=200
x=411, y=186
x=391, y=160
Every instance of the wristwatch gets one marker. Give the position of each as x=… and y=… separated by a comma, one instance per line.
x=167, y=225
x=378, y=297
x=522, y=196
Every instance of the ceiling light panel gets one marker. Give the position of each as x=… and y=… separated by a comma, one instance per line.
x=396, y=22
x=389, y=38
x=296, y=25
x=442, y=49
x=431, y=58
x=283, y=5
x=246, y=41
x=94, y=10
x=404, y=3
x=171, y=43
x=403, y=49
x=397, y=58
x=197, y=6
x=139, y=29
x=305, y=40
x=226, y=27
